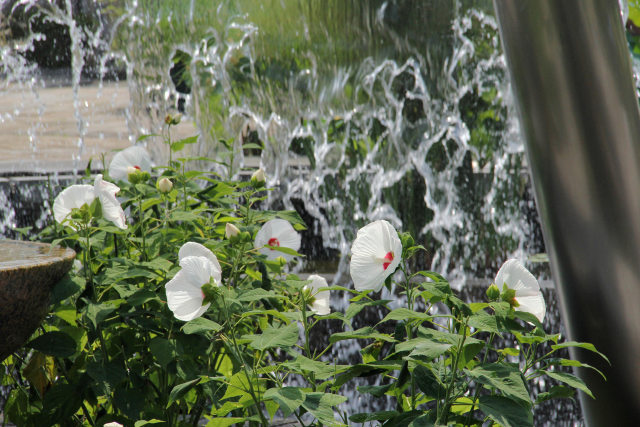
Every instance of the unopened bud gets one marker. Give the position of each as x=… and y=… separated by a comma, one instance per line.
x=493, y=292
x=164, y=185
x=134, y=174
x=258, y=178
x=231, y=231
x=172, y=120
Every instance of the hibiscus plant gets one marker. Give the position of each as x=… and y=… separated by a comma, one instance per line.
x=183, y=308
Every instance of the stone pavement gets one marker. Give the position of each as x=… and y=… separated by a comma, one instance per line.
x=39, y=131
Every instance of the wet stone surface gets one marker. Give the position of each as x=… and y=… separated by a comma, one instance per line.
x=28, y=272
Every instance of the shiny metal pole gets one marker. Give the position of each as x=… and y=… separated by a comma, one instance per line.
x=571, y=77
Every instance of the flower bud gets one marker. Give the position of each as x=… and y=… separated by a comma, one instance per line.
x=164, y=185
x=134, y=174
x=493, y=292
x=172, y=120
x=258, y=178
x=231, y=231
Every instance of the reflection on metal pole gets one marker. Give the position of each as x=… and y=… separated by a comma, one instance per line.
x=571, y=76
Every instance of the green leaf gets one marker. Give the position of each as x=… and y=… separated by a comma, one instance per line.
x=556, y=392
x=258, y=294
x=484, y=322
x=179, y=145
x=584, y=345
x=289, y=398
x=405, y=314
x=96, y=313
x=364, y=417
x=68, y=286
x=141, y=296
x=423, y=347
x=428, y=383
x=321, y=370
x=356, y=307
x=570, y=380
x=226, y=421
x=505, y=411
x=163, y=350
x=362, y=333
x=506, y=377
x=181, y=389
x=375, y=390
x=285, y=336
x=201, y=326
x=55, y=343
x=319, y=404
x=67, y=313
x=107, y=376
x=141, y=423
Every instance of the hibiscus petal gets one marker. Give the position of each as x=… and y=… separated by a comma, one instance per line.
x=184, y=298
x=518, y=278
x=129, y=157
x=279, y=229
x=533, y=304
x=321, y=305
x=72, y=197
x=111, y=209
x=198, y=270
x=373, y=243
x=196, y=249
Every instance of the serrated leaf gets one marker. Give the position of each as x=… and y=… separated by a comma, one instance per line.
x=583, y=345
x=363, y=333
x=485, y=322
x=55, y=343
x=428, y=383
x=181, y=389
x=423, y=347
x=96, y=313
x=201, y=326
x=289, y=398
x=556, y=392
x=68, y=286
x=505, y=411
x=375, y=390
x=503, y=376
x=374, y=416
x=258, y=294
x=179, y=145
x=356, y=307
x=285, y=336
x=319, y=404
x=141, y=423
x=405, y=314
x=570, y=380
x=163, y=350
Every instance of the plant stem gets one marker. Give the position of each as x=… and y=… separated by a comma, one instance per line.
x=447, y=404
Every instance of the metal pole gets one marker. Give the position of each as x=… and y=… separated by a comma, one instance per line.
x=571, y=76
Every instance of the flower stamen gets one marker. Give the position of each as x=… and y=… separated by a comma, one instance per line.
x=386, y=260
x=273, y=242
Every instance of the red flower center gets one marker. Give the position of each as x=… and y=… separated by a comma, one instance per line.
x=274, y=242
x=388, y=256
x=136, y=167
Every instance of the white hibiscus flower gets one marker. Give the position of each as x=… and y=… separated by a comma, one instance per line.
x=528, y=294
x=321, y=304
x=375, y=254
x=277, y=232
x=135, y=157
x=184, y=291
x=72, y=197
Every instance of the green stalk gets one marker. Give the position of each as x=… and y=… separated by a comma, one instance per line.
x=454, y=369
